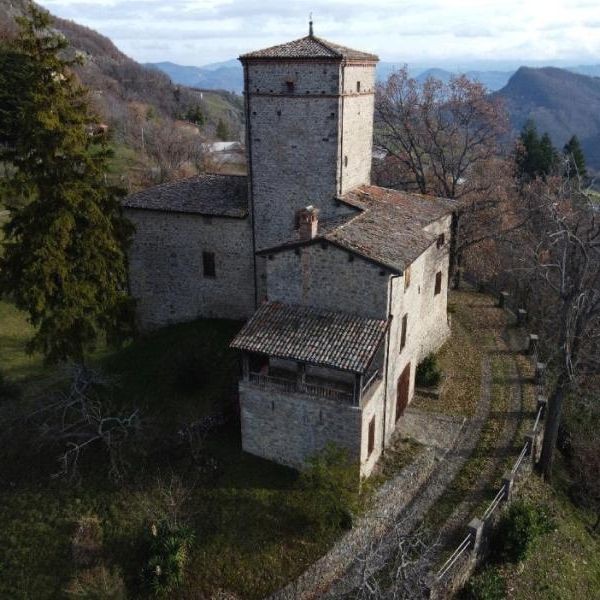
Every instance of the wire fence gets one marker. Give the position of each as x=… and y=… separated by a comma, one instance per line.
x=528, y=450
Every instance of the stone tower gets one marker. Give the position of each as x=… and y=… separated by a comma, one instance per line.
x=309, y=116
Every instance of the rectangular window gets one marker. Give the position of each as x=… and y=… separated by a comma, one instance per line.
x=407, y=277
x=441, y=240
x=358, y=86
x=289, y=87
x=371, y=436
x=438, y=283
x=403, y=334
x=208, y=263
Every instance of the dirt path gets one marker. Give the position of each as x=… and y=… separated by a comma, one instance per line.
x=432, y=489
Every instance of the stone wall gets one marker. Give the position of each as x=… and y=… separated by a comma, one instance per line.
x=357, y=127
x=298, y=140
x=288, y=427
x=166, y=269
x=328, y=278
x=427, y=316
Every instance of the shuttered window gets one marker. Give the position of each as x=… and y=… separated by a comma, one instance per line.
x=371, y=436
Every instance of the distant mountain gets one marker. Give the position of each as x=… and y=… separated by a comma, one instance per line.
x=119, y=84
x=561, y=102
x=226, y=76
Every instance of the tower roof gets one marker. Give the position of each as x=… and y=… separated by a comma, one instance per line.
x=310, y=47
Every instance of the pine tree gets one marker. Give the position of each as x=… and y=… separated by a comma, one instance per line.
x=575, y=158
x=535, y=156
x=64, y=253
x=222, y=130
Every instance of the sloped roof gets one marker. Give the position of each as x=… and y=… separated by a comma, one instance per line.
x=331, y=339
x=310, y=47
x=389, y=228
x=208, y=194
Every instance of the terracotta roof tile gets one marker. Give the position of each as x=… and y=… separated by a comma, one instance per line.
x=331, y=339
x=217, y=195
x=310, y=47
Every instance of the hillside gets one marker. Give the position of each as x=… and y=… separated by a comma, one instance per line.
x=130, y=97
x=219, y=76
x=561, y=102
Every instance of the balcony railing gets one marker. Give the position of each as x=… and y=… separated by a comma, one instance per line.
x=266, y=382
x=370, y=380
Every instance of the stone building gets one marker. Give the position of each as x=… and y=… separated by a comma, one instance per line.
x=344, y=283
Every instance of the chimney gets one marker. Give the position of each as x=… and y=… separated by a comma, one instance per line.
x=308, y=222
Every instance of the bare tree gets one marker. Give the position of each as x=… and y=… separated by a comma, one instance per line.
x=80, y=418
x=560, y=254
x=443, y=139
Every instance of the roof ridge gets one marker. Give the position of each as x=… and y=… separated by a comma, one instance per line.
x=325, y=45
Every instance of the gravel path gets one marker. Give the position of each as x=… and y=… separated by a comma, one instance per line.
x=446, y=469
x=454, y=528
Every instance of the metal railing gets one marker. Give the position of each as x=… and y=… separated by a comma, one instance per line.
x=375, y=375
x=266, y=382
x=493, y=505
x=462, y=547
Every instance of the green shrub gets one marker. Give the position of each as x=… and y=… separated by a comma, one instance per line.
x=167, y=553
x=98, y=583
x=487, y=585
x=428, y=372
x=331, y=480
x=519, y=526
x=190, y=373
x=8, y=389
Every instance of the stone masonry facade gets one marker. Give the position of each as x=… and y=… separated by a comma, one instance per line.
x=343, y=284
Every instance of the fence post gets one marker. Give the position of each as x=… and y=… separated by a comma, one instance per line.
x=507, y=482
x=532, y=346
x=542, y=403
x=503, y=299
x=475, y=528
x=540, y=373
x=521, y=317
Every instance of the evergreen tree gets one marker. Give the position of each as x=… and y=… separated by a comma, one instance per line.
x=575, y=158
x=63, y=259
x=222, y=130
x=535, y=156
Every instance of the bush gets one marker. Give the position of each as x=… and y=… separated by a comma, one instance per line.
x=190, y=374
x=487, y=585
x=167, y=554
x=86, y=545
x=98, y=583
x=428, y=372
x=519, y=526
x=8, y=389
x=332, y=482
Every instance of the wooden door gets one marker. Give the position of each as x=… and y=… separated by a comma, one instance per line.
x=402, y=391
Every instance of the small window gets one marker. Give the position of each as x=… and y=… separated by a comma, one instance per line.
x=403, y=334
x=407, y=277
x=371, y=445
x=345, y=161
x=441, y=240
x=289, y=87
x=438, y=283
x=358, y=86
x=208, y=263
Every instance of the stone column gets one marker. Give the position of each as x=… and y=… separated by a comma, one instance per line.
x=533, y=343
x=475, y=528
x=508, y=481
x=503, y=299
x=521, y=317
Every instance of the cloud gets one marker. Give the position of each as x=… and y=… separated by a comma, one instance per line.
x=202, y=31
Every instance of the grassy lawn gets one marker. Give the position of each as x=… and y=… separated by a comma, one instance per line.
x=473, y=318
x=564, y=563
x=252, y=531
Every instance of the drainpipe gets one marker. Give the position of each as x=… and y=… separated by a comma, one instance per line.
x=387, y=360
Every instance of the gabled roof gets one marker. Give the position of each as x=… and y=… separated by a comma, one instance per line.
x=310, y=47
x=332, y=339
x=389, y=230
x=211, y=195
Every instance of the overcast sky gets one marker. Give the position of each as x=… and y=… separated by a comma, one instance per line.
x=424, y=32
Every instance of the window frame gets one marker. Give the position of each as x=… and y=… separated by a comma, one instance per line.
x=404, y=331
x=209, y=265
x=438, y=283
